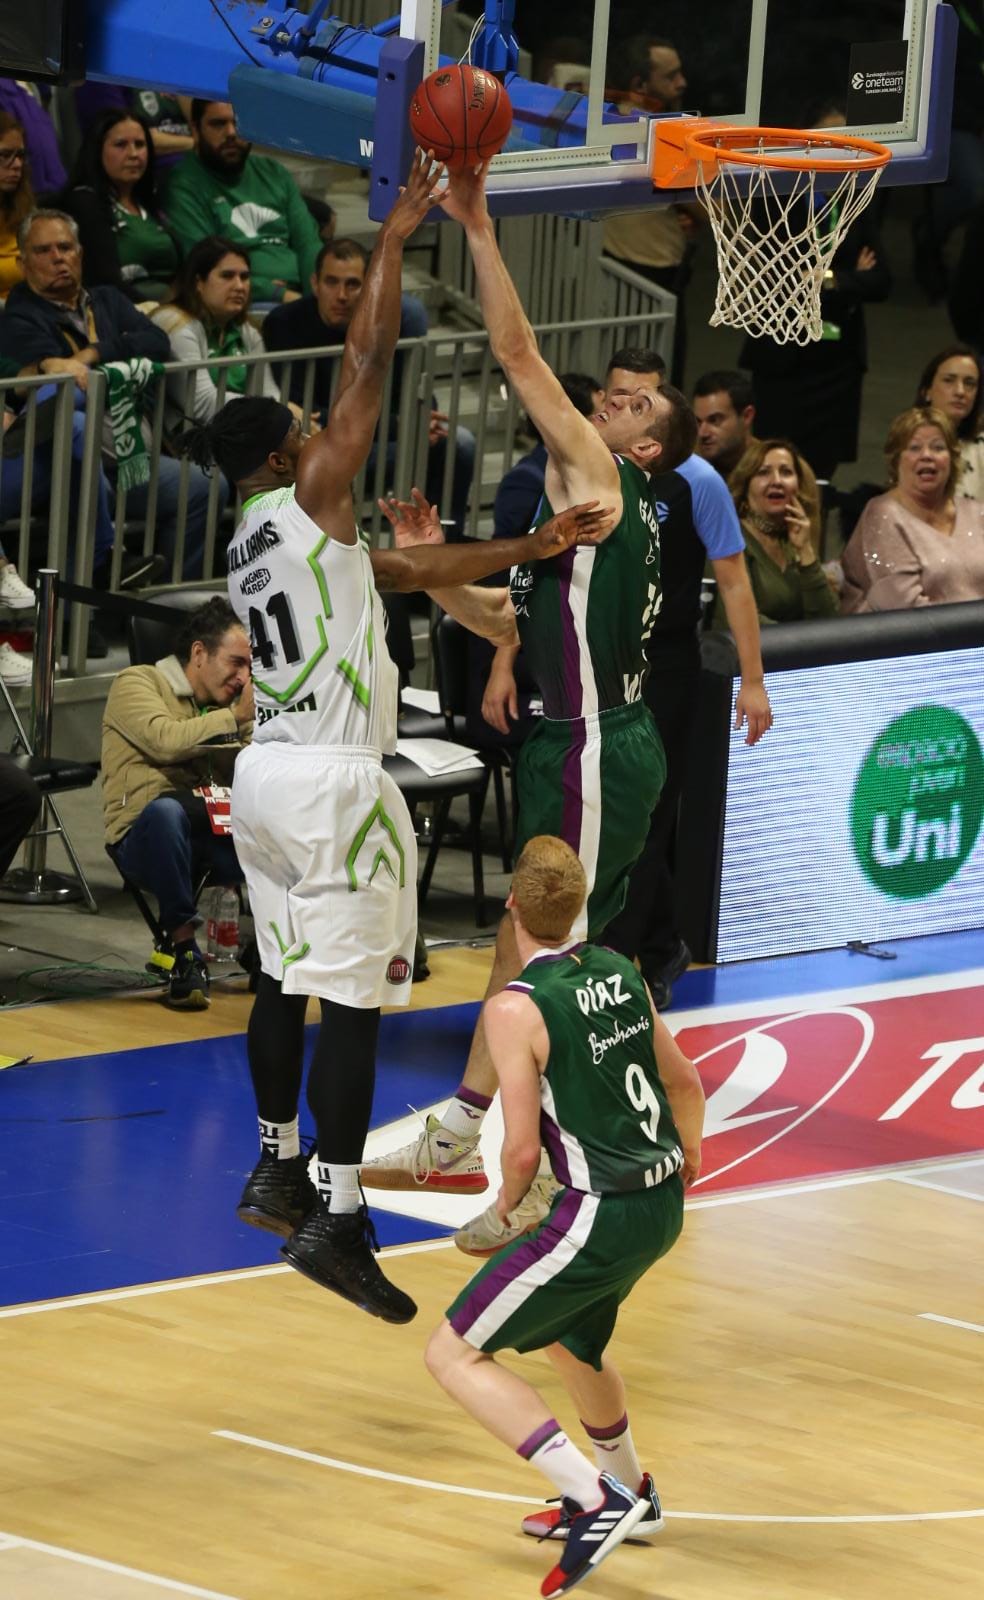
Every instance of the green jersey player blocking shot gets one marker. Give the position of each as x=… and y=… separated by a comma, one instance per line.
x=586, y=1065
x=592, y=770
x=320, y=828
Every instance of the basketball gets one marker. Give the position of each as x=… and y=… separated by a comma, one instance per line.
x=461, y=113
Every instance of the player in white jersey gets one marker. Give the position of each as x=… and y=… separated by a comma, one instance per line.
x=321, y=831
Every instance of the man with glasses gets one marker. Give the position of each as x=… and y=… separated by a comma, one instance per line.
x=52, y=325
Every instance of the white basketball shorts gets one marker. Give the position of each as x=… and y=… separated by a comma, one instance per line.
x=325, y=841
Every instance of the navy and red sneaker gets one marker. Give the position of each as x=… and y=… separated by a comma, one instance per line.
x=593, y=1535
x=552, y=1520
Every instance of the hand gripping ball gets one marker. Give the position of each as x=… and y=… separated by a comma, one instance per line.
x=461, y=113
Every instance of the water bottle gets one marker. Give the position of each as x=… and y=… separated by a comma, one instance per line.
x=226, y=926
x=207, y=903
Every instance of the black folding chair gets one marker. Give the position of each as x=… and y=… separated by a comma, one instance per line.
x=148, y=640
x=416, y=785
x=450, y=644
x=53, y=775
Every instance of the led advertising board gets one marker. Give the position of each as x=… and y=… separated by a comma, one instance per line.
x=860, y=815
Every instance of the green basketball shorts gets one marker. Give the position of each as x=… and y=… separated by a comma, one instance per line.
x=564, y=1282
x=594, y=781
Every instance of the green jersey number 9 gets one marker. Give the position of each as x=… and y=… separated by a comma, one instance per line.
x=642, y=1096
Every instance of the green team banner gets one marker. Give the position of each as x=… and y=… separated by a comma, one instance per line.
x=861, y=815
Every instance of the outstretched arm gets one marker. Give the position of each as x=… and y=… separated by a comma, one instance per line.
x=449, y=573
x=330, y=461
x=735, y=590
x=583, y=461
x=434, y=566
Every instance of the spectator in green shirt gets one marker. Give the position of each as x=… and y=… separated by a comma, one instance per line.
x=778, y=505
x=221, y=188
x=113, y=197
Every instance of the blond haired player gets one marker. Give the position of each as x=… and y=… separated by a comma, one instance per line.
x=586, y=1066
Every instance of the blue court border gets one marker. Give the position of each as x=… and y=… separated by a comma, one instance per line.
x=125, y=1168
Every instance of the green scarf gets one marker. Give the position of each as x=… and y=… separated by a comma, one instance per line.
x=228, y=341
x=126, y=382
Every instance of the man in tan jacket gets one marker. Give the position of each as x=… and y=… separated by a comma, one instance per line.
x=167, y=730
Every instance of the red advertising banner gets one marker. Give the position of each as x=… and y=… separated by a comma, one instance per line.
x=840, y=1087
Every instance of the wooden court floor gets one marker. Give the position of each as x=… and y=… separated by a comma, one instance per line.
x=59, y=1029
x=814, y=1436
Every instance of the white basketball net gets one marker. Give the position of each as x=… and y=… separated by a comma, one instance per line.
x=773, y=249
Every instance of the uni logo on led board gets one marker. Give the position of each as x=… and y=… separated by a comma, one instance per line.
x=918, y=802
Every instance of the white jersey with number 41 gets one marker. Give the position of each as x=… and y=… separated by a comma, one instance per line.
x=322, y=674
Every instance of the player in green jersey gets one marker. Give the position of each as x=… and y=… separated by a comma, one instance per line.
x=593, y=769
x=586, y=1065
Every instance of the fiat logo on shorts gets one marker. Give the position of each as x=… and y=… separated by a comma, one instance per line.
x=398, y=970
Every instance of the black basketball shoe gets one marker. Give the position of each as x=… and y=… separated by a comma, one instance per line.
x=189, y=983
x=278, y=1195
x=337, y=1252
x=662, y=979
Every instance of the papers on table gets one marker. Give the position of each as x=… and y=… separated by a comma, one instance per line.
x=438, y=756
x=422, y=699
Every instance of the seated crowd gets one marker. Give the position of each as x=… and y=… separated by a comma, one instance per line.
x=168, y=239
x=171, y=242
x=921, y=542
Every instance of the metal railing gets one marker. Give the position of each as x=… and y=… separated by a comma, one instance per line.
x=39, y=459
x=559, y=272
x=454, y=369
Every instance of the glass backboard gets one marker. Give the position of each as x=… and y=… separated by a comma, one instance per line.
x=593, y=76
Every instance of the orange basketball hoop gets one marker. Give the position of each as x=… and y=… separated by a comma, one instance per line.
x=779, y=201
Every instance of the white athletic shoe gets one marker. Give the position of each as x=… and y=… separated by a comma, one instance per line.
x=13, y=590
x=487, y=1233
x=436, y=1161
x=14, y=668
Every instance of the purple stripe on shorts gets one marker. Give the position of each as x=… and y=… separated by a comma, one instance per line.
x=536, y=1441
x=570, y=653
x=550, y=1137
x=471, y=1097
x=572, y=812
x=607, y=1433
x=537, y=1249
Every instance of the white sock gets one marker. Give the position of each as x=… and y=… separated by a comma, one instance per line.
x=564, y=1464
x=465, y=1114
x=339, y=1186
x=280, y=1139
x=615, y=1452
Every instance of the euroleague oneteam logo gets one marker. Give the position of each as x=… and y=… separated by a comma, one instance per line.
x=769, y=1077
x=918, y=802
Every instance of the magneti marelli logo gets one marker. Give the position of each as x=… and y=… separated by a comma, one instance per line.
x=918, y=802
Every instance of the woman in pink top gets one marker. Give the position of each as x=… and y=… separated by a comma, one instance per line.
x=917, y=545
